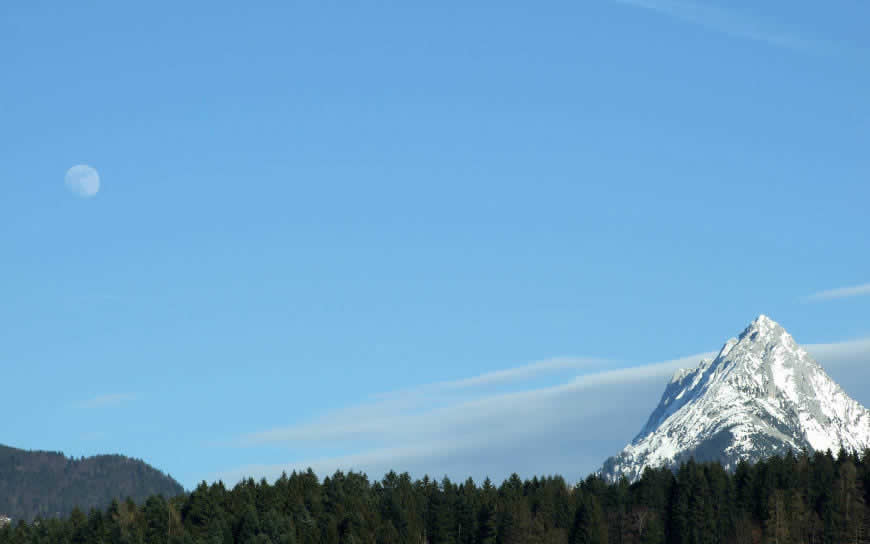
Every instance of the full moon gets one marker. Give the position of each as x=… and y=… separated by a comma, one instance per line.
x=82, y=180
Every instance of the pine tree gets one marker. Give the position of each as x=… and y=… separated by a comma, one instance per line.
x=777, y=523
x=654, y=532
x=248, y=526
x=798, y=517
x=678, y=528
x=156, y=520
x=486, y=524
x=589, y=524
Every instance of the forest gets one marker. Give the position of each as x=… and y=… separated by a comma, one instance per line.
x=816, y=498
x=49, y=484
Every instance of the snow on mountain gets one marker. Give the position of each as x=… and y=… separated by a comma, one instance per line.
x=762, y=395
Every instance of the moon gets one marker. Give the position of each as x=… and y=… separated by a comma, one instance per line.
x=82, y=180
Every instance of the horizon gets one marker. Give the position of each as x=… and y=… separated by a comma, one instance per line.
x=455, y=240
x=843, y=355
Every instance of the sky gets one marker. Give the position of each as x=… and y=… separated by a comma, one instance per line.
x=460, y=239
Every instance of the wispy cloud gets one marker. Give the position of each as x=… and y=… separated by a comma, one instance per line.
x=426, y=407
x=523, y=372
x=838, y=354
x=729, y=22
x=112, y=399
x=463, y=428
x=439, y=431
x=842, y=292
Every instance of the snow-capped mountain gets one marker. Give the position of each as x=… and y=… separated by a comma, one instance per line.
x=762, y=395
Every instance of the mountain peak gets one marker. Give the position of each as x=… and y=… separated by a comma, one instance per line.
x=762, y=345
x=763, y=320
x=763, y=327
x=763, y=394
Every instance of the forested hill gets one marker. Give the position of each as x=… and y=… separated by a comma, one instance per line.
x=48, y=484
x=819, y=499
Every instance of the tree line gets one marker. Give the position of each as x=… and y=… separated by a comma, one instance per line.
x=814, y=498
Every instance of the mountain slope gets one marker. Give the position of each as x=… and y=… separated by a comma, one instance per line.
x=47, y=484
x=762, y=395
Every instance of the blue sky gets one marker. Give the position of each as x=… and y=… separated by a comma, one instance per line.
x=309, y=213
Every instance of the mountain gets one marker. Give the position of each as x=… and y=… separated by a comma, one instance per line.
x=762, y=395
x=48, y=484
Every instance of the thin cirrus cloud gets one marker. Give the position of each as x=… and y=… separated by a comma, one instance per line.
x=379, y=415
x=535, y=370
x=528, y=371
x=841, y=292
x=482, y=434
x=466, y=413
x=112, y=399
x=729, y=22
x=568, y=427
x=839, y=355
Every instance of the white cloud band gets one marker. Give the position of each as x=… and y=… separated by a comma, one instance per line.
x=842, y=292
x=568, y=427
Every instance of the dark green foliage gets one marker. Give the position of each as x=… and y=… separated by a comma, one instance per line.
x=783, y=500
x=486, y=523
x=48, y=484
x=589, y=525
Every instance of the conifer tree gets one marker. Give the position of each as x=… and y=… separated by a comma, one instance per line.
x=654, y=532
x=486, y=524
x=589, y=524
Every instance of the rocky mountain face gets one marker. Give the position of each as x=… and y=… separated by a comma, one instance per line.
x=762, y=395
